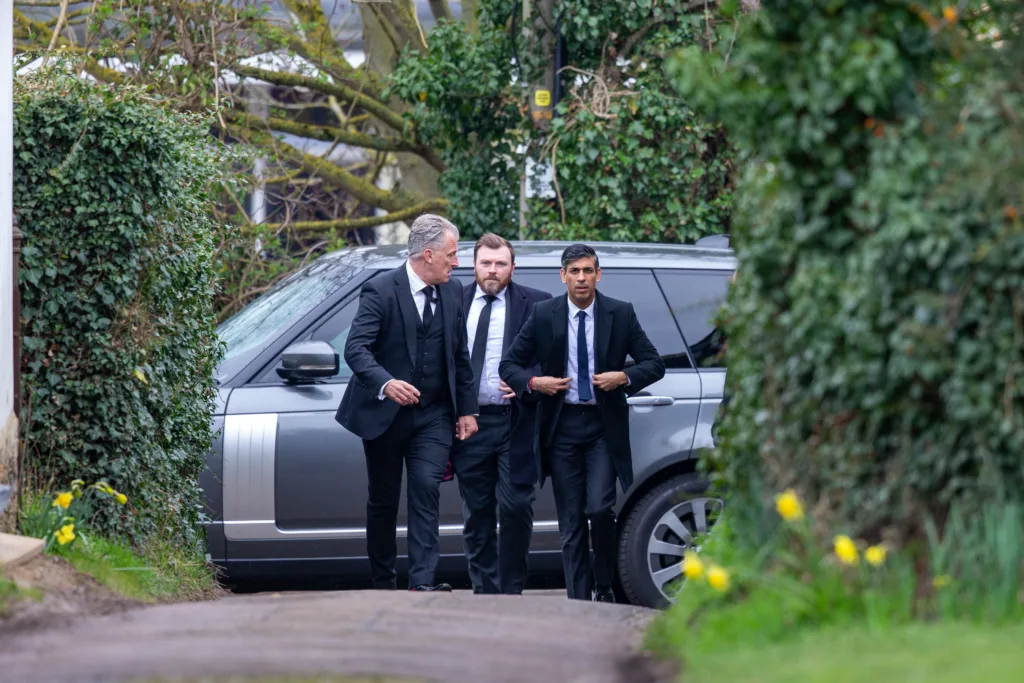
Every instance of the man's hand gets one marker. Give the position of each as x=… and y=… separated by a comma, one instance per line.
x=465, y=427
x=506, y=390
x=551, y=385
x=609, y=381
x=402, y=393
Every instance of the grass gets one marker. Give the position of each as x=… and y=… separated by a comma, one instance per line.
x=161, y=574
x=946, y=652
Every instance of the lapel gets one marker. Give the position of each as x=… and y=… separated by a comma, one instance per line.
x=447, y=307
x=602, y=334
x=467, y=298
x=408, y=307
x=559, y=334
x=515, y=306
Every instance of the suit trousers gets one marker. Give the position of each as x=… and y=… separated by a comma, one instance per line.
x=420, y=438
x=497, y=558
x=583, y=479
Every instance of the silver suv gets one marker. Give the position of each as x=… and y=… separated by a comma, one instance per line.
x=286, y=485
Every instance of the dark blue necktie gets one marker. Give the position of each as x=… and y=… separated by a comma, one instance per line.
x=582, y=363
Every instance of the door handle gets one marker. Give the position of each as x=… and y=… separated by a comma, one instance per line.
x=650, y=400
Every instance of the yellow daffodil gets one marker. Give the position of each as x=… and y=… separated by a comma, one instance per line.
x=941, y=581
x=718, y=578
x=104, y=487
x=63, y=500
x=949, y=14
x=693, y=566
x=845, y=549
x=65, y=534
x=789, y=506
x=875, y=555
x=121, y=498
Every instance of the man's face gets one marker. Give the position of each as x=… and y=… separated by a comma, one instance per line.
x=493, y=269
x=439, y=262
x=581, y=277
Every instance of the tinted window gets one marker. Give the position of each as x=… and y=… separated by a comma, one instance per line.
x=695, y=297
x=637, y=287
x=333, y=330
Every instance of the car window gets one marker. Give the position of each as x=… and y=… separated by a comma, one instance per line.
x=636, y=286
x=695, y=296
x=333, y=330
x=247, y=332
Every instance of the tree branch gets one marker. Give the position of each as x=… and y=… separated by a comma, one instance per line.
x=335, y=134
x=342, y=92
x=441, y=10
x=90, y=65
x=359, y=188
x=355, y=223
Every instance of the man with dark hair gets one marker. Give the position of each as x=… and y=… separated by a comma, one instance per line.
x=496, y=467
x=412, y=389
x=581, y=342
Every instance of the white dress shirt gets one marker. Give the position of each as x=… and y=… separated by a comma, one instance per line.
x=416, y=284
x=489, y=393
x=572, y=395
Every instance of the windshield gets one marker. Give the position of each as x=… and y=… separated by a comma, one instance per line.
x=248, y=331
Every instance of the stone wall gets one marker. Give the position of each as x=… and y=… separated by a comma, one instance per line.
x=9, y=470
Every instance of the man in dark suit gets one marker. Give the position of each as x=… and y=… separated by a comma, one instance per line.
x=496, y=467
x=581, y=342
x=412, y=390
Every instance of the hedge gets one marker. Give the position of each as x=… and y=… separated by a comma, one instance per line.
x=876, y=330
x=117, y=280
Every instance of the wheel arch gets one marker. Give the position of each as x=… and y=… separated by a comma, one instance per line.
x=661, y=470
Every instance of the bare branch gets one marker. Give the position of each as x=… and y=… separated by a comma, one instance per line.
x=342, y=92
x=335, y=134
x=355, y=223
x=336, y=176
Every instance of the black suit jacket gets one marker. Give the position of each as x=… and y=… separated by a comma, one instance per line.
x=381, y=346
x=617, y=333
x=519, y=301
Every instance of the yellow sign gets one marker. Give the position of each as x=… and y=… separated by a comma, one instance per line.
x=542, y=98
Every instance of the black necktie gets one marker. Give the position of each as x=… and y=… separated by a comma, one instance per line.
x=582, y=363
x=483, y=326
x=428, y=310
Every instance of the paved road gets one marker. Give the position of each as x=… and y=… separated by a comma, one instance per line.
x=450, y=638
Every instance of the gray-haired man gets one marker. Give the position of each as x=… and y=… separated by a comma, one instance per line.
x=412, y=390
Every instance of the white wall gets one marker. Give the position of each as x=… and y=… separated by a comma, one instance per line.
x=6, y=172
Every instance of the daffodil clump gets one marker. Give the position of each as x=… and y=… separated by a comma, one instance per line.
x=57, y=523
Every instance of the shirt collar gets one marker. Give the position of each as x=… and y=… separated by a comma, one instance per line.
x=415, y=282
x=480, y=293
x=574, y=309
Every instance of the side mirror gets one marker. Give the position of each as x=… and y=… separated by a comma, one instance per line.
x=308, y=362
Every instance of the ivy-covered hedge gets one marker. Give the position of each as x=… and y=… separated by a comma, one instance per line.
x=876, y=331
x=117, y=280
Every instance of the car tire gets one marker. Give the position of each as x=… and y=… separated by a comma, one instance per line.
x=651, y=544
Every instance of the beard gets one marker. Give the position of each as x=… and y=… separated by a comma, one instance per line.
x=493, y=286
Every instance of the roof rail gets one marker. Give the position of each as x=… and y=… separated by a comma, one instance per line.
x=714, y=242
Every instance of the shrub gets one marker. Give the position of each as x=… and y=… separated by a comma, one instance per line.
x=876, y=330
x=117, y=280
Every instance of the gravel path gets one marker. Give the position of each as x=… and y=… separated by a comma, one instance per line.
x=445, y=638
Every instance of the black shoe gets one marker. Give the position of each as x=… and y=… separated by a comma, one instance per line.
x=441, y=588
x=604, y=595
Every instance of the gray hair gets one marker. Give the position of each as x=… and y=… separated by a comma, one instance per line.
x=429, y=232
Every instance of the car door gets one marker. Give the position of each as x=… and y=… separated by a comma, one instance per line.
x=695, y=296
x=313, y=488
